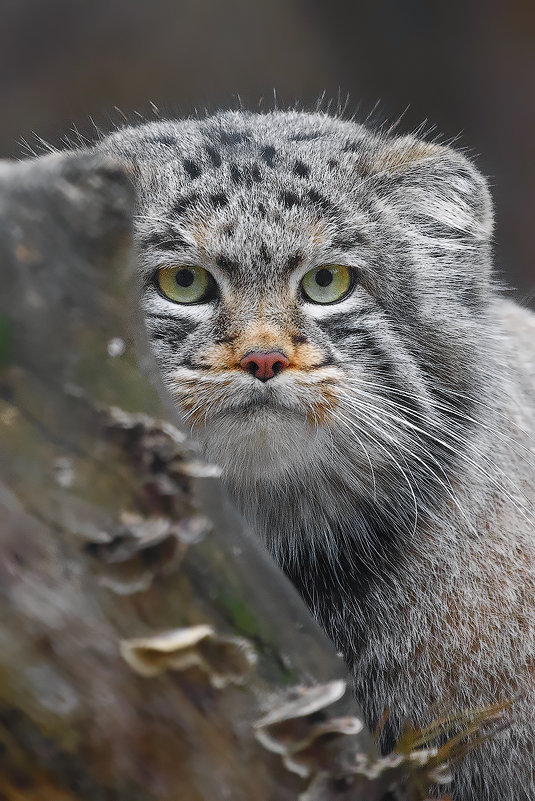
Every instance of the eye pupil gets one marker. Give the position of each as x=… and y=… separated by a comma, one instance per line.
x=184, y=278
x=324, y=277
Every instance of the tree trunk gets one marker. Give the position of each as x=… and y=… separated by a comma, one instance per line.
x=149, y=648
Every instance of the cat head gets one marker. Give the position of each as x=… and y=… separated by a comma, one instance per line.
x=315, y=293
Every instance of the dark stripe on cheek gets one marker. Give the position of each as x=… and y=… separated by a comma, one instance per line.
x=387, y=367
x=226, y=339
x=188, y=362
x=379, y=361
x=170, y=324
x=328, y=361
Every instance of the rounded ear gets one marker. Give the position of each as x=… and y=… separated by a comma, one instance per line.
x=436, y=184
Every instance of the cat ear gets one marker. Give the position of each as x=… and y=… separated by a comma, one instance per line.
x=435, y=186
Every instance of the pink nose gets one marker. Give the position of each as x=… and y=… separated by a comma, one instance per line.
x=264, y=365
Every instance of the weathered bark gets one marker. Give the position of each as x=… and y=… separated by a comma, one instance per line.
x=140, y=643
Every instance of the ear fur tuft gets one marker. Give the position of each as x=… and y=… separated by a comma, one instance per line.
x=437, y=183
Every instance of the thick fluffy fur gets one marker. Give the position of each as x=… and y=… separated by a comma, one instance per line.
x=390, y=467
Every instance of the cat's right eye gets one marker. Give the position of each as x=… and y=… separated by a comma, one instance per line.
x=185, y=284
x=329, y=283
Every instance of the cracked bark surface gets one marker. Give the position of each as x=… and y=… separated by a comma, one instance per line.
x=149, y=649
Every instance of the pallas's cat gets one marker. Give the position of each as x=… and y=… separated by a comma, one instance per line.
x=320, y=301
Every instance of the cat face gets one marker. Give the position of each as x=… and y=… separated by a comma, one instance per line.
x=314, y=292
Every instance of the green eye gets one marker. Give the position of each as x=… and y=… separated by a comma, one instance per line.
x=184, y=284
x=327, y=284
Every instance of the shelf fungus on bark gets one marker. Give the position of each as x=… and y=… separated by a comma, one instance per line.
x=141, y=549
x=304, y=735
x=159, y=447
x=224, y=660
x=324, y=749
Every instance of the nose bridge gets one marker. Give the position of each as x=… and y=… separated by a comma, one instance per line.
x=261, y=335
x=262, y=325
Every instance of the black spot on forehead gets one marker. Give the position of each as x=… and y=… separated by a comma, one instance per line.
x=305, y=136
x=346, y=240
x=226, y=137
x=333, y=164
x=294, y=261
x=233, y=137
x=267, y=154
x=226, y=264
x=229, y=230
x=192, y=168
x=218, y=200
x=256, y=175
x=320, y=200
x=301, y=169
x=352, y=147
x=264, y=253
x=213, y=154
x=289, y=199
x=183, y=204
x=262, y=210
x=236, y=174
x=169, y=140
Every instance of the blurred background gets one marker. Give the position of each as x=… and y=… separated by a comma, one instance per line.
x=465, y=68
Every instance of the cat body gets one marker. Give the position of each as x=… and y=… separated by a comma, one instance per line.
x=380, y=441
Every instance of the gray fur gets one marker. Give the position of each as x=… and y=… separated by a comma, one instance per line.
x=405, y=515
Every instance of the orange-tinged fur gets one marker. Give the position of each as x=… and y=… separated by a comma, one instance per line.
x=264, y=337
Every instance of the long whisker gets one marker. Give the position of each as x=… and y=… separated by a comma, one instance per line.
x=405, y=422
x=367, y=412
x=459, y=414
x=389, y=455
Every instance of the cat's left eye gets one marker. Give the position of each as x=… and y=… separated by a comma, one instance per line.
x=185, y=283
x=328, y=283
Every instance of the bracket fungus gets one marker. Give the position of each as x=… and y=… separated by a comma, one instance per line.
x=302, y=732
x=225, y=660
x=141, y=549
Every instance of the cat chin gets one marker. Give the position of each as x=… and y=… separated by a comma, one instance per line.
x=261, y=444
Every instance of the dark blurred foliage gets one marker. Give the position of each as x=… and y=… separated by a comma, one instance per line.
x=466, y=68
